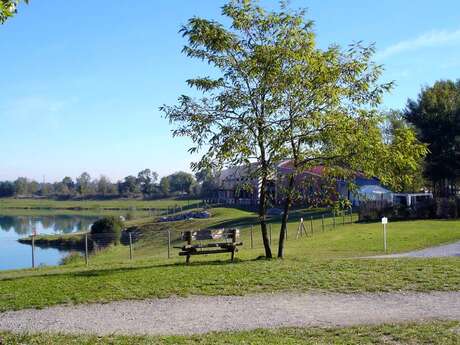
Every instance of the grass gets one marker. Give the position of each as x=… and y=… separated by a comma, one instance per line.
x=323, y=261
x=435, y=333
x=116, y=204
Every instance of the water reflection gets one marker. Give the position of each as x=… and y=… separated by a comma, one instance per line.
x=54, y=224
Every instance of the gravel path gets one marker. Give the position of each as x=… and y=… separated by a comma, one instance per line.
x=452, y=249
x=204, y=314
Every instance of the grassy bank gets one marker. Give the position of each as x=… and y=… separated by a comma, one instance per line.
x=435, y=333
x=116, y=204
x=73, y=241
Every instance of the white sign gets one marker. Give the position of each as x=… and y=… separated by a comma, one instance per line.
x=384, y=220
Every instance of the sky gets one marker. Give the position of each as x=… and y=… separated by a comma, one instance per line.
x=82, y=80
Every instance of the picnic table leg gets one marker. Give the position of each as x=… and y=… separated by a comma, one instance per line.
x=233, y=254
x=187, y=259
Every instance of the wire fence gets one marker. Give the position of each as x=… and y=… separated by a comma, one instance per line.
x=136, y=244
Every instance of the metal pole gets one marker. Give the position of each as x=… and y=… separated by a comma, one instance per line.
x=86, y=249
x=322, y=222
x=33, y=250
x=252, y=238
x=385, y=237
x=169, y=244
x=130, y=246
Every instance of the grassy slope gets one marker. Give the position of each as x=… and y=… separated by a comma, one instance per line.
x=123, y=204
x=436, y=333
x=319, y=262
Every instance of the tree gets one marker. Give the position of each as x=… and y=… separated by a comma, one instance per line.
x=234, y=119
x=69, y=183
x=146, y=179
x=20, y=186
x=104, y=186
x=8, y=8
x=207, y=182
x=7, y=189
x=84, y=183
x=436, y=117
x=278, y=96
x=129, y=185
x=107, y=230
x=181, y=182
x=164, y=186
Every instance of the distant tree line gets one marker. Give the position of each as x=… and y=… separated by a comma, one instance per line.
x=146, y=184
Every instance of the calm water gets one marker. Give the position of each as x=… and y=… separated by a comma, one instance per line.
x=14, y=255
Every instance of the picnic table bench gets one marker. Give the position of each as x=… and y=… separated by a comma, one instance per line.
x=229, y=236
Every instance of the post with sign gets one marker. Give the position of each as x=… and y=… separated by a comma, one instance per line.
x=385, y=222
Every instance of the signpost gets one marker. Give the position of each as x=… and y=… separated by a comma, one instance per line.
x=385, y=222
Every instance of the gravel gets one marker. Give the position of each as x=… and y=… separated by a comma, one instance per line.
x=446, y=250
x=202, y=314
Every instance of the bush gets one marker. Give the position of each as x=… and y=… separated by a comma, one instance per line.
x=71, y=258
x=107, y=230
x=446, y=208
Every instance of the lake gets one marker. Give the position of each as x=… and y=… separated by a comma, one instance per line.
x=14, y=255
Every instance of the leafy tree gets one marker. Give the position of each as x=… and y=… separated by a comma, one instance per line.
x=7, y=189
x=436, y=117
x=165, y=186
x=104, y=186
x=69, y=183
x=129, y=185
x=181, y=182
x=146, y=180
x=20, y=186
x=84, y=183
x=207, y=182
x=279, y=96
x=8, y=8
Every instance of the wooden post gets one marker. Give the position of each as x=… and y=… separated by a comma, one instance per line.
x=311, y=224
x=333, y=218
x=33, y=250
x=252, y=238
x=322, y=222
x=188, y=238
x=233, y=234
x=343, y=217
x=130, y=246
x=351, y=215
x=169, y=244
x=86, y=249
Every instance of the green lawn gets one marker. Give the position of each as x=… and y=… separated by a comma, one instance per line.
x=324, y=261
x=116, y=204
x=435, y=333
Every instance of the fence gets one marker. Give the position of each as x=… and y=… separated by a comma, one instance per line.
x=159, y=244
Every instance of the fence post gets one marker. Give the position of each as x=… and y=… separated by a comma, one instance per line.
x=343, y=217
x=322, y=222
x=130, y=246
x=86, y=249
x=33, y=250
x=351, y=215
x=311, y=224
x=333, y=217
x=169, y=244
x=252, y=238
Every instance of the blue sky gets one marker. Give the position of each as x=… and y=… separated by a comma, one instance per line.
x=82, y=80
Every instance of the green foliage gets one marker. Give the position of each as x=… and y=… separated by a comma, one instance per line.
x=436, y=117
x=8, y=8
x=107, y=230
x=181, y=182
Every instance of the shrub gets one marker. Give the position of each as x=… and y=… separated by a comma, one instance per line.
x=107, y=230
x=446, y=208
x=71, y=258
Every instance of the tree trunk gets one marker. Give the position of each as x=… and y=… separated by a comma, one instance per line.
x=263, y=217
x=287, y=205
